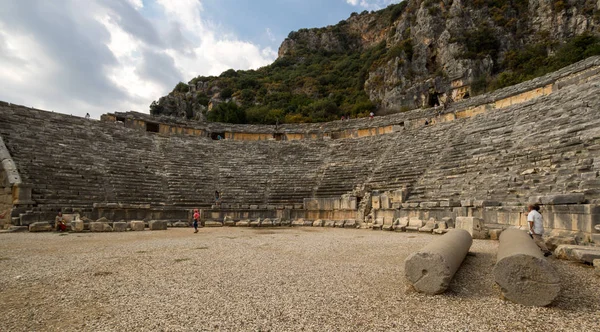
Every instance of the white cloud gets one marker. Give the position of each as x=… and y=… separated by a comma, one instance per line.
x=111, y=58
x=372, y=4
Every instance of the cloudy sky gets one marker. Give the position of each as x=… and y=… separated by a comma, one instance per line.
x=99, y=56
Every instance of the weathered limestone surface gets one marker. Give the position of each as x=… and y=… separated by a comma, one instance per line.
x=472, y=225
x=243, y=223
x=522, y=272
x=99, y=226
x=119, y=226
x=414, y=224
x=137, y=225
x=431, y=269
x=157, y=225
x=430, y=225
x=597, y=266
x=583, y=254
x=40, y=227
x=77, y=226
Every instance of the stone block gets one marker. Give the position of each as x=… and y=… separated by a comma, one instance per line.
x=582, y=254
x=229, y=222
x=450, y=203
x=104, y=220
x=266, y=223
x=329, y=223
x=377, y=227
x=441, y=231
x=276, y=222
x=554, y=240
x=213, y=223
x=484, y=203
x=384, y=201
x=286, y=223
x=255, y=223
x=466, y=203
x=427, y=205
x=472, y=225
x=77, y=226
x=318, y=223
x=157, y=225
x=430, y=225
x=339, y=223
x=375, y=202
x=243, y=223
x=441, y=225
x=40, y=226
x=97, y=226
x=449, y=222
x=181, y=224
x=350, y=223
x=400, y=224
x=298, y=222
x=119, y=226
x=414, y=224
x=253, y=207
x=387, y=227
x=563, y=199
x=137, y=225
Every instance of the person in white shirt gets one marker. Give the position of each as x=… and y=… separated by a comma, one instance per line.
x=536, y=227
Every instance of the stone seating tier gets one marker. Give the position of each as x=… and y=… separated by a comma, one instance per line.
x=544, y=146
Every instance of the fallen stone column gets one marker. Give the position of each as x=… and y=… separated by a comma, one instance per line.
x=522, y=272
x=430, y=269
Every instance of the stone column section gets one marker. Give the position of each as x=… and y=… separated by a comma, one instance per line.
x=12, y=191
x=431, y=269
x=522, y=272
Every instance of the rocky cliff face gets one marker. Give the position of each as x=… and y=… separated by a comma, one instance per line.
x=418, y=53
x=456, y=42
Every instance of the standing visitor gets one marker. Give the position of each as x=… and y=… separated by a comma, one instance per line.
x=371, y=115
x=196, y=220
x=536, y=227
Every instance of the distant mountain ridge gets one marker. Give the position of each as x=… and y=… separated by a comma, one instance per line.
x=418, y=53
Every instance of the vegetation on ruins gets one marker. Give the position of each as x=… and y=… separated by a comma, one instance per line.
x=377, y=60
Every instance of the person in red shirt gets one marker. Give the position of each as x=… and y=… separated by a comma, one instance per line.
x=196, y=220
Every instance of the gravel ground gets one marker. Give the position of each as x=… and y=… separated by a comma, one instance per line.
x=262, y=279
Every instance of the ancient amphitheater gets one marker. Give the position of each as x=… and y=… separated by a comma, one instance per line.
x=480, y=160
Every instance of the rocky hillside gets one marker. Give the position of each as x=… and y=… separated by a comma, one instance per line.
x=418, y=53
